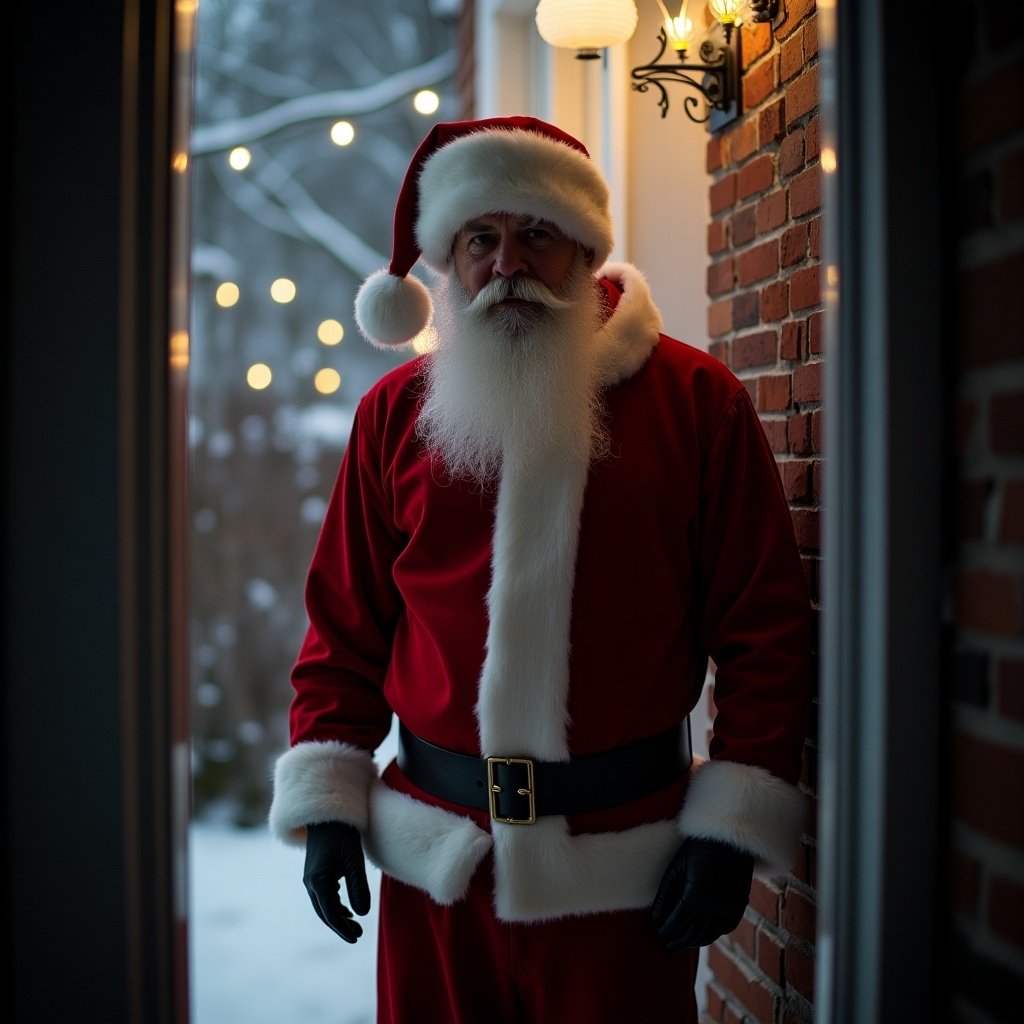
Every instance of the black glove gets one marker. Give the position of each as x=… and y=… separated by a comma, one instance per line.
x=703, y=893
x=335, y=851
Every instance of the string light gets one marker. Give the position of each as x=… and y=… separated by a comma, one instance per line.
x=330, y=332
x=227, y=294
x=327, y=381
x=259, y=376
x=282, y=290
x=342, y=133
x=178, y=355
x=239, y=158
x=426, y=101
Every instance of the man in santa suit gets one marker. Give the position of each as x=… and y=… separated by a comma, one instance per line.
x=539, y=534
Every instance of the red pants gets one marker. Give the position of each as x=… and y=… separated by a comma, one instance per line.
x=460, y=965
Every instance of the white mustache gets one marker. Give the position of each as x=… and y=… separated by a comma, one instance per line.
x=525, y=288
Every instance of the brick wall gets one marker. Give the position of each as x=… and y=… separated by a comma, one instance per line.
x=986, y=561
x=765, y=322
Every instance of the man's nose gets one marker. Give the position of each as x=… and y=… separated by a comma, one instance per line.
x=509, y=257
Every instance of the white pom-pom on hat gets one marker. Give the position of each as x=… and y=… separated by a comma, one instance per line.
x=391, y=310
x=465, y=169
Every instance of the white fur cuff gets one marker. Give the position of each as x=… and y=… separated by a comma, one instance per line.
x=749, y=808
x=316, y=782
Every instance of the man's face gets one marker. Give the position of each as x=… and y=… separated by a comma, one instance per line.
x=505, y=245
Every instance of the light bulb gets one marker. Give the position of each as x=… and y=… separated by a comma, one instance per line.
x=585, y=25
x=727, y=11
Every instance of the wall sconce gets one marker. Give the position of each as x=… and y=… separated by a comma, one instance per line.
x=588, y=26
x=718, y=84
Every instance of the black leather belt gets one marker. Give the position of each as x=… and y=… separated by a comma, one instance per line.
x=517, y=790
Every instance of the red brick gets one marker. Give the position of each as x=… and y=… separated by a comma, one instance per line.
x=815, y=327
x=744, y=225
x=799, y=915
x=719, y=350
x=775, y=301
x=743, y=140
x=757, y=41
x=802, y=95
x=964, y=884
x=990, y=322
x=793, y=246
x=760, y=81
x=812, y=140
x=806, y=867
x=756, y=176
x=755, y=998
x=715, y=1002
x=722, y=193
x=816, y=474
x=771, y=211
x=811, y=37
x=1006, y=910
x=994, y=809
x=805, y=288
x=759, y=349
x=817, y=431
x=1010, y=688
x=814, y=239
x=746, y=310
x=778, y=436
x=792, y=343
x=718, y=237
x=800, y=971
x=805, y=192
x=771, y=124
x=773, y=391
x=715, y=159
x=1010, y=177
x=764, y=899
x=987, y=601
x=791, y=59
x=742, y=936
x=721, y=276
x=807, y=383
x=791, y=154
x=769, y=955
x=807, y=527
x=757, y=263
x=796, y=11
x=1006, y=423
x=796, y=479
x=986, y=113
x=798, y=434
x=720, y=317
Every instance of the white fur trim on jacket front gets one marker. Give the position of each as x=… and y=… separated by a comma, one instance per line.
x=632, y=330
x=317, y=782
x=749, y=808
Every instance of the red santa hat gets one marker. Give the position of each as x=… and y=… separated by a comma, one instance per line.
x=465, y=169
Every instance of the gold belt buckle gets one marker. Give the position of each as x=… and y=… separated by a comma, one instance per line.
x=493, y=789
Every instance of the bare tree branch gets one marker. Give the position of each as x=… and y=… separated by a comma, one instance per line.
x=217, y=138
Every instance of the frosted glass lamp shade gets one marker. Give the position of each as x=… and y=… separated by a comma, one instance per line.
x=586, y=25
x=726, y=11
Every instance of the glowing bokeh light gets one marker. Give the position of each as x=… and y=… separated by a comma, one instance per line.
x=330, y=332
x=327, y=381
x=259, y=376
x=426, y=101
x=227, y=294
x=239, y=158
x=342, y=133
x=178, y=354
x=282, y=290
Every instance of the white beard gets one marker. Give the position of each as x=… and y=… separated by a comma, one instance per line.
x=513, y=384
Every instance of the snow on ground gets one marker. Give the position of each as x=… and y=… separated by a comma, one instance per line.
x=258, y=952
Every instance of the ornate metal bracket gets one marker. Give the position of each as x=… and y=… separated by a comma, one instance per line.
x=717, y=87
